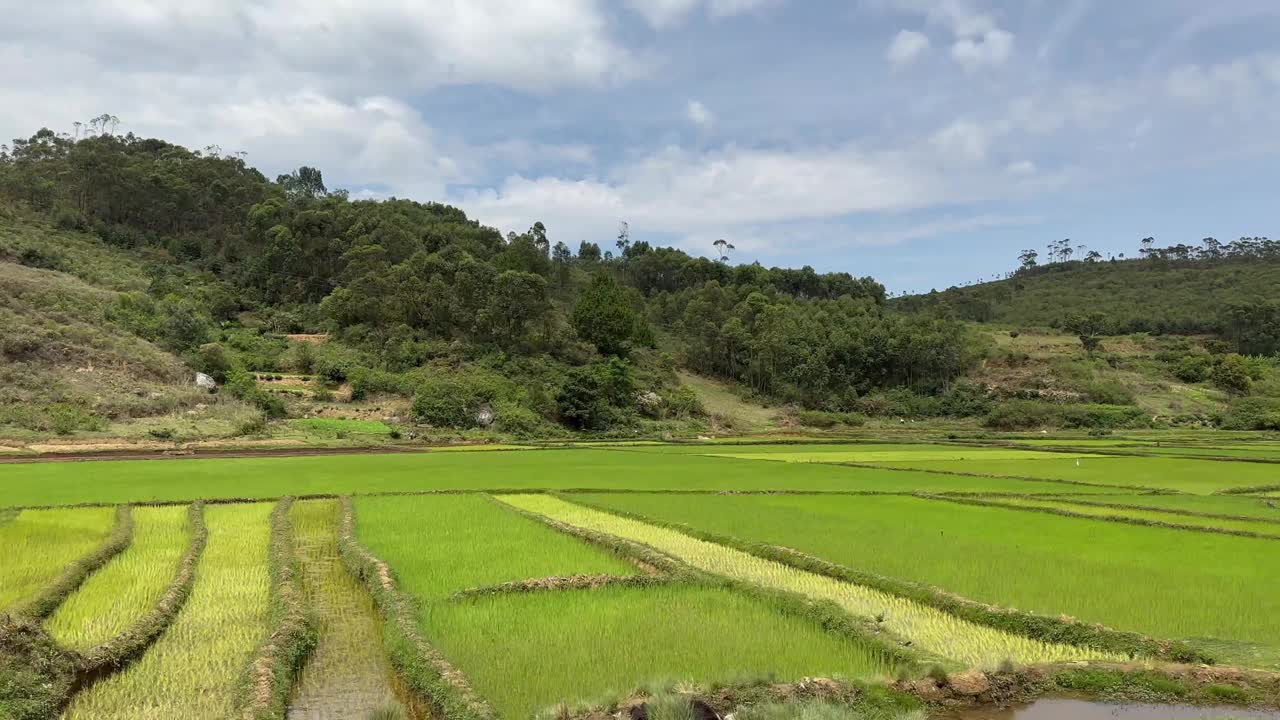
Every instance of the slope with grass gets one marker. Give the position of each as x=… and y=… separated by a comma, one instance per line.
x=128, y=586
x=193, y=671
x=1164, y=583
x=38, y=544
x=927, y=628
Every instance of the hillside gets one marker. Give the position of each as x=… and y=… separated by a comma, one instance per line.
x=1157, y=294
x=130, y=264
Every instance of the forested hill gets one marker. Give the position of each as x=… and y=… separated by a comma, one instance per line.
x=419, y=300
x=1227, y=289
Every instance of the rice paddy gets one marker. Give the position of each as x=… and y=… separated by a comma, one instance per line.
x=128, y=585
x=528, y=651
x=530, y=613
x=194, y=669
x=38, y=544
x=928, y=628
x=1166, y=583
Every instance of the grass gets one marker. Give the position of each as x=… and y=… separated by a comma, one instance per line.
x=38, y=544
x=719, y=400
x=1262, y=528
x=1181, y=474
x=1160, y=582
x=843, y=454
x=193, y=671
x=262, y=478
x=440, y=545
x=929, y=629
x=527, y=651
x=129, y=585
x=347, y=675
x=334, y=427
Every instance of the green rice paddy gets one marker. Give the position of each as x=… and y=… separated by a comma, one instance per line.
x=38, y=544
x=129, y=585
x=1163, y=582
x=193, y=670
x=451, y=520
x=526, y=652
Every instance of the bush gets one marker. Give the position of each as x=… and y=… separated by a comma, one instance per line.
x=1031, y=414
x=213, y=360
x=597, y=397
x=365, y=381
x=682, y=402
x=162, y=433
x=256, y=425
x=1231, y=373
x=65, y=419
x=827, y=420
x=241, y=384
x=452, y=401
x=1193, y=368
x=518, y=421
x=1255, y=413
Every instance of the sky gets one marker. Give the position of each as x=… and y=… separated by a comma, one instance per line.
x=922, y=142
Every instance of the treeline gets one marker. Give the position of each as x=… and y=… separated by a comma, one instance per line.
x=406, y=283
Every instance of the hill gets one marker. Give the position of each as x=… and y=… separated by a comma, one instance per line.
x=1228, y=290
x=132, y=263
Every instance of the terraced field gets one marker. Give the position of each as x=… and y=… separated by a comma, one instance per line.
x=502, y=584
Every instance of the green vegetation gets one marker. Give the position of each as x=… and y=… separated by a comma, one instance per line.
x=195, y=668
x=1111, y=573
x=119, y=481
x=38, y=544
x=127, y=587
x=606, y=642
x=1229, y=506
x=927, y=628
x=1154, y=516
x=1184, y=475
x=348, y=670
x=469, y=542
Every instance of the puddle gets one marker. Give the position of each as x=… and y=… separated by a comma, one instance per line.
x=1063, y=709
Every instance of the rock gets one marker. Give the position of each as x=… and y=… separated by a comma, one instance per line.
x=649, y=404
x=206, y=382
x=201, y=406
x=927, y=690
x=637, y=710
x=484, y=415
x=970, y=682
x=702, y=711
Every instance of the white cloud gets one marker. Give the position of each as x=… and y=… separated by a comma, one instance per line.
x=962, y=140
x=1239, y=80
x=1021, y=167
x=699, y=114
x=990, y=49
x=907, y=45
x=665, y=13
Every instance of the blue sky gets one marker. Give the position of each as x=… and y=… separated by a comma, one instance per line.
x=924, y=142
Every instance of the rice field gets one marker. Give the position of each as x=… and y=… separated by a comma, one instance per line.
x=1162, y=582
x=37, y=544
x=529, y=651
x=1250, y=526
x=529, y=613
x=930, y=629
x=121, y=481
x=129, y=585
x=348, y=676
x=194, y=669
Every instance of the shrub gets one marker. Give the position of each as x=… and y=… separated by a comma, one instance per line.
x=365, y=381
x=597, y=397
x=241, y=384
x=452, y=400
x=519, y=421
x=162, y=433
x=65, y=419
x=213, y=360
x=1231, y=373
x=256, y=425
x=682, y=402
x=1029, y=414
x=1254, y=413
x=827, y=420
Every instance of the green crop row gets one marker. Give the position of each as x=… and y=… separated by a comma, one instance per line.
x=1159, y=582
x=1159, y=518
x=125, y=588
x=931, y=630
x=38, y=544
x=194, y=669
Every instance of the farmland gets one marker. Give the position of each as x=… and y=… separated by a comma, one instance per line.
x=507, y=584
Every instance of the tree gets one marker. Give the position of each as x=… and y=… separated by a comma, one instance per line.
x=1088, y=327
x=723, y=247
x=1231, y=373
x=1027, y=259
x=517, y=299
x=304, y=183
x=624, y=237
x=604, y=317
x=1093, y=256
x=588, y=252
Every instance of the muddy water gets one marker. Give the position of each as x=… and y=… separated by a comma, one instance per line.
x=1062, y=709
x=348, y=677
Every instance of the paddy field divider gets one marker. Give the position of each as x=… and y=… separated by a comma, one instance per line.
x=48, y=598
x=424, y=668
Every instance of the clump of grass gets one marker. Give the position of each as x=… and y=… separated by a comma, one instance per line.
x=930, y=629
x=129, y=585
x=193, y=670
x=40, y=544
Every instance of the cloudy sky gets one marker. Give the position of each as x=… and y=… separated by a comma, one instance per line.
x=923, y=142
